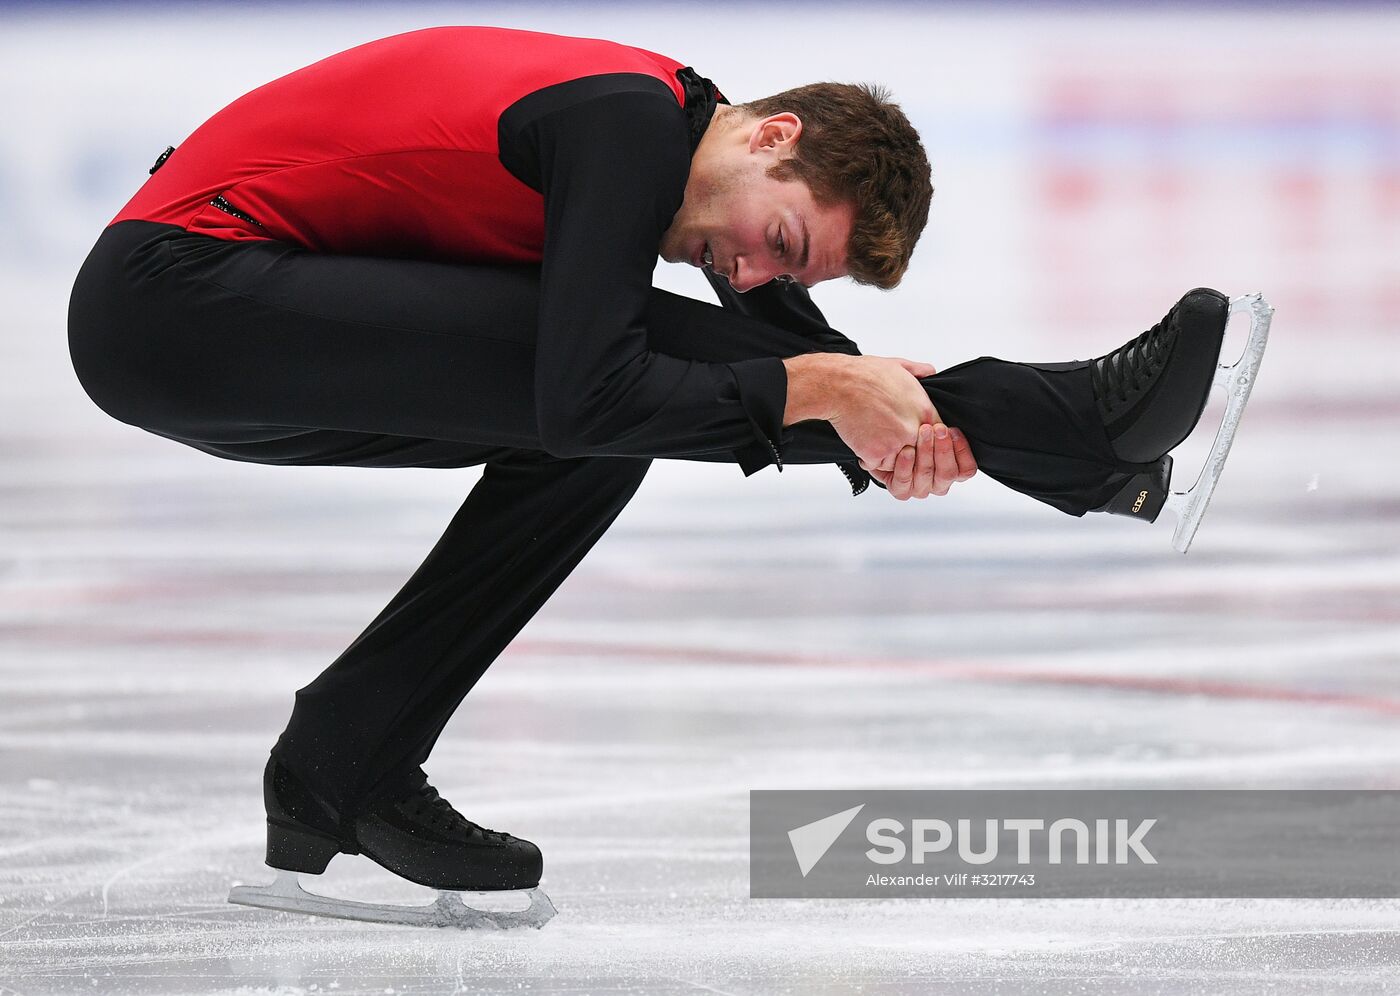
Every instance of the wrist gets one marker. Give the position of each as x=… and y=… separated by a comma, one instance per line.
x=814, y=382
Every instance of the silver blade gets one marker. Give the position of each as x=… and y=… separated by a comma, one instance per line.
x=1237, y=379
x=448, y=910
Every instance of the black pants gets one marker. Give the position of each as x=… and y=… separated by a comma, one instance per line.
x=264, y=352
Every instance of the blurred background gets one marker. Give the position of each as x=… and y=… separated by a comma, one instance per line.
x=1092, y=162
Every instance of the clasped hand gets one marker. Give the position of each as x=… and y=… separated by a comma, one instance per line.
x=895, y=431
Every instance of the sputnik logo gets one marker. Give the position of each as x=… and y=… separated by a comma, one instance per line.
x=812, y=840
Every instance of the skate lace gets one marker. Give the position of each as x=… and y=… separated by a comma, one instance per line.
x=1131, y=365
x=425, y=802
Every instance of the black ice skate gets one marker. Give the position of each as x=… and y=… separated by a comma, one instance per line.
x=1152, y=390
x=415, y=834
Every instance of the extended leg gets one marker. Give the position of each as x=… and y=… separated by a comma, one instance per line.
x=231, y=343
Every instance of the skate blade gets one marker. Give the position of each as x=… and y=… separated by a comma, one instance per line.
x=1237, y=380
x=448, y=910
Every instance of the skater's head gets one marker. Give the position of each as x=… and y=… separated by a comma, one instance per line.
x=824, y=181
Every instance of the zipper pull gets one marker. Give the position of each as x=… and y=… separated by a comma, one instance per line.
x=163, y=157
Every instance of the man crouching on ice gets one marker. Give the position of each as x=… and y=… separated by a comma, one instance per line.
x=436, y=250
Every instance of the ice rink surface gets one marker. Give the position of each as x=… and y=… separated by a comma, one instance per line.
x=159, y=607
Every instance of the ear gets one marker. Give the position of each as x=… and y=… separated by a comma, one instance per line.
x=777, y=133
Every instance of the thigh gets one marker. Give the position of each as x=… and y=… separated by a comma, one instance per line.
x=241, y=342
x=289, y=447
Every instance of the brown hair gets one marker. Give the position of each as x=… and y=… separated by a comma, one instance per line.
x=858, y=147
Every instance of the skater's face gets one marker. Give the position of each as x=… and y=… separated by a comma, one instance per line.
x=746, y=225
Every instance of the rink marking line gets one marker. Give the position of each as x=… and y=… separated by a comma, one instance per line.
x=1176, y=686
x=977, y=672
x=1340, y=598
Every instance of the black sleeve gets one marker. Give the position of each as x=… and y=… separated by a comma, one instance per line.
x=611, y=155
x=786, y=305
x=790, y=306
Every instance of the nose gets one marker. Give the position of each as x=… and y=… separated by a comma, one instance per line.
x=747, y=276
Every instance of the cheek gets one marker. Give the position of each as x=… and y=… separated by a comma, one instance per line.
x=755, y=240
x=740, y=227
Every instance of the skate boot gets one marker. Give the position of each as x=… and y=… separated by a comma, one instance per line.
x=414, y=833
x=418, y=835
x=1152, y=390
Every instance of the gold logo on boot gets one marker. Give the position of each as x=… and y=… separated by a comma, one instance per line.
x=1137, y=505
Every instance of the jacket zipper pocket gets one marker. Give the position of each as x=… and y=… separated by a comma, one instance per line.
x=223, y=205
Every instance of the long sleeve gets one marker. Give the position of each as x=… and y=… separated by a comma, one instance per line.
x=790, y=307
x=611, y=157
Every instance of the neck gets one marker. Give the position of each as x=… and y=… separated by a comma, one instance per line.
x=722, y=124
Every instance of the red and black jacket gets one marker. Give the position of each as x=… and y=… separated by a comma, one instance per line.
x=487, y=145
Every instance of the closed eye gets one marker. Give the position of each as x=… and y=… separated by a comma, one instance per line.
x=782, y=247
